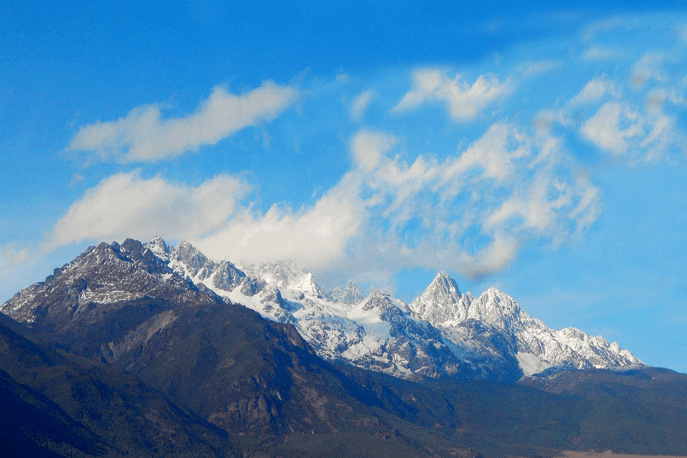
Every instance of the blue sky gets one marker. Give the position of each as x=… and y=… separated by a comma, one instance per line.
x=540, y=148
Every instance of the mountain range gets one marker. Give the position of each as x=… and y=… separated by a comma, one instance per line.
x=442, y=332
x=139, y=349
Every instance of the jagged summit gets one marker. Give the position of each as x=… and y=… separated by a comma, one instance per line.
x=446, y=283
x=158, y=246
x=351, y=295
x=441, y=301
x=285, y=275
x=491, y=333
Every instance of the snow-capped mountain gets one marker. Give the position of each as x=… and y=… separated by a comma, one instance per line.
x=442, y=332
x=536, y=346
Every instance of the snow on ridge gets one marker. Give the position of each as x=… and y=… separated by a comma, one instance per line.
x=383, y=333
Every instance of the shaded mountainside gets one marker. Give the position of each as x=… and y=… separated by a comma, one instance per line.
x=644, y=385
x=264, y=385
x=57, y=404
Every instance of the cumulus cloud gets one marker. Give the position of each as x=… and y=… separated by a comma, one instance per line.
x=144, y=136
x=128, y=205
x=360, y=104
x=313, y=236
x=464, y=101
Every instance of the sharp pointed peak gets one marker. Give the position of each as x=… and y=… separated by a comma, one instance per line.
x=444, y=281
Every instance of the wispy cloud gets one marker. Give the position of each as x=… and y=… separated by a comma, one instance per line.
x=470, y=212
x=598, y=53
x=464, y=101
x=12, y=255
x=360, y=104
x=367, y=148
x=144, y=136
x=539, y=67
x=595, y=90
x=640, y=134
x=648, y=68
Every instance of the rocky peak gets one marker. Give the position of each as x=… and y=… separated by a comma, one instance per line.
x=376, y=300
x=497, y=309
x=351, y=295
x=159, y=247
x=285, y=275
x=441, y=301
x=442, y=282
x=190, y=256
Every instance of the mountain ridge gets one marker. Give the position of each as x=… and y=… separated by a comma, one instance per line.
x=473, y=327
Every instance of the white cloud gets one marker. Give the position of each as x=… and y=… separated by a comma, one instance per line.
x=360, y=104
x=495, y=153
x=648, y=68
x=464, y=102
x=612, y=127
x=127, y=205
x=143, y=136
x=368, y=147
x=313, y=236
x=469, y=212
x=595, y=90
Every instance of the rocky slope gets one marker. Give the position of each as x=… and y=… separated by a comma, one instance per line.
x=55, y=404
